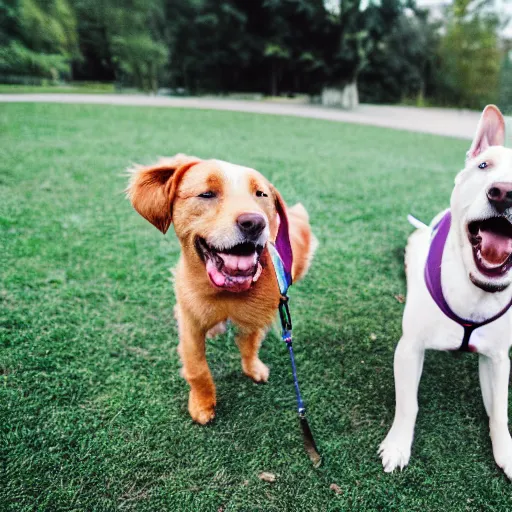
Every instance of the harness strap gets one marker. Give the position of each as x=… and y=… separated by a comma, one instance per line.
x=433, y=282
x=468, y=331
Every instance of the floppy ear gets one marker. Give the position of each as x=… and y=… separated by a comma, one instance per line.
x=282, y=241
x=151, y=188
x=490, y=131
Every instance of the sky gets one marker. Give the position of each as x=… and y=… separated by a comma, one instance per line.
x=502, y=6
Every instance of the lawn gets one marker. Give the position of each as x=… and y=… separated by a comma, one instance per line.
x=93, y=413
x=73, y=88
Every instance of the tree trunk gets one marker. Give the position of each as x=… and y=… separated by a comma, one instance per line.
x=273, y=80
x=345, y=96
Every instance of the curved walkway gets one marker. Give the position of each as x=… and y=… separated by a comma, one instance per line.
x=448, y=122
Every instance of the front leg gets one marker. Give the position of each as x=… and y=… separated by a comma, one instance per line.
x=249, y=344
x=499, y=370
x=485, y=374
x=395, y=450
x=192, y=350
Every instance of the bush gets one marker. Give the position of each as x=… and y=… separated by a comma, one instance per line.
x=16, y=59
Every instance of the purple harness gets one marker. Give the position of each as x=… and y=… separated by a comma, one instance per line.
x=433, y=282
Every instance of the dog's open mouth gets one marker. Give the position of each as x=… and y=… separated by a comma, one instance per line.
x=492, y=245
x=233, y=269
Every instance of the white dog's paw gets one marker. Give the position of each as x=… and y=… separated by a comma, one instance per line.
x=394, y=454
x=502, y=450
x=507, y=468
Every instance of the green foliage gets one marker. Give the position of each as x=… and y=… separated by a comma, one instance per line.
x=39, y=37
x=505, y=94
x=389, y=48
x=141, y=58
x=16, y=59
x=276, y=51
x=400, y=67
x=358, y=31
x=212, y=44
x=48, y=26
x=469, y=57
x=122, y=40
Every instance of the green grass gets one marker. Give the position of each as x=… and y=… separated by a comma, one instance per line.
x=74, y=88
x=93, y=413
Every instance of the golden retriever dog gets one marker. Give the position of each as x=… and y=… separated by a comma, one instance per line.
x=223, y=216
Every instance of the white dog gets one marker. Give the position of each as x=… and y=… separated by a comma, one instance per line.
x=459, y=276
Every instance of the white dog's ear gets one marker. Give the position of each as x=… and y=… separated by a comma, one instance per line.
x=490, y=131
x=151, y=189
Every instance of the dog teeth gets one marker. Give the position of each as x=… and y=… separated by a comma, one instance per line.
x=258, y=273
x=242, y=263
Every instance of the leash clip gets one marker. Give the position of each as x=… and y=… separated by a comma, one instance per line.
x=284, y=314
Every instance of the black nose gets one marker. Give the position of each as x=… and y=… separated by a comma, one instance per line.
x=251, y=224
x=500, y=195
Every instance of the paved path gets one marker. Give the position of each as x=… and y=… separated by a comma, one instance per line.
x=449, y=122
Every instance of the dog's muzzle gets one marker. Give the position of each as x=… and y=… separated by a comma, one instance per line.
x=491, y=240
x=232, y=269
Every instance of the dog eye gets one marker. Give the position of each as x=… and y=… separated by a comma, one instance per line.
x=259, y=193
x=483, y=165
x=207, y=195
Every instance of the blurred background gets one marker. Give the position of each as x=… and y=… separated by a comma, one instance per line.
x=333, y=52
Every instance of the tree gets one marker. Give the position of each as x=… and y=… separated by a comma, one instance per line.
x=402, y=65
x=140, y=58
x=209, y=44
x=356, y=29
x=293, y=44
x=505, y=92
x=38, y=37
x=469, y=56
x=122, y=40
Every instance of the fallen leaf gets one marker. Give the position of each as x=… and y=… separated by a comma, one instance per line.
x=336, y=488
x=267, y=477
x=400, y=298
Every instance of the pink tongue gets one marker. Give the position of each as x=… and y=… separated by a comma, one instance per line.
x=243, y=263
x=495, y=248
x=215, y=275
x=232, y=283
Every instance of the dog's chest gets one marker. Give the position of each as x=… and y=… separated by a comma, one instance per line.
x=448, y=336
x=425, y=321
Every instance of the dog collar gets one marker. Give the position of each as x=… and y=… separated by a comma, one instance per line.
x=433, y=282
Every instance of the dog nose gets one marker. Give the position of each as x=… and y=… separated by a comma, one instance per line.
x=500, y=195
x=251, y=224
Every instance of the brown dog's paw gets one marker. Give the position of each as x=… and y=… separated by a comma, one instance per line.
x=256, y=370
x=201, y=411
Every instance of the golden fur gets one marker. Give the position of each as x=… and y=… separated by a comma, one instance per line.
x=168, y=191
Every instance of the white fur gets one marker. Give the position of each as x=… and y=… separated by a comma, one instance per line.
x=416, y=222
x=237, y=180
x=425, y=326
x=235, y=175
